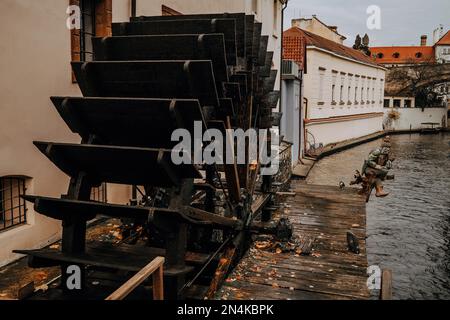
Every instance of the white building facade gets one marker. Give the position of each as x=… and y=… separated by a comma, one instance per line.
x=344, y=97
x=442, y=49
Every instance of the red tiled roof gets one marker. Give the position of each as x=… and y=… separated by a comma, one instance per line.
x=445, y=40
x=402, y=55
x=295, y=39
x=294, y=47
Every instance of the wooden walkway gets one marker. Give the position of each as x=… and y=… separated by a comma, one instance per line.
x=330, y=271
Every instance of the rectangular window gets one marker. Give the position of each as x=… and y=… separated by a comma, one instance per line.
x=87, y=31
x=341, y=89
x=349, y=89
x=96, y=21
x=387, y=103
x=321, y=83
x=381, y=89
x=99, y=193
x=407, y=103
x=397, y=103
x=13, y=210
x=333, y=88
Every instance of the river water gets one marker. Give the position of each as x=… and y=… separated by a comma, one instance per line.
x=409, y=230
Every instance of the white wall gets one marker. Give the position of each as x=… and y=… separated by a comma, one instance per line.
x=442, y=53
x=34, y=64
x=333, y=132
x=402, y=101
x=412, y=118
x=35, y=54
x=290, y=121
x=315, y=26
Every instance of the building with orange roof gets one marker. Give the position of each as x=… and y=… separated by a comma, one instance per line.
x=343, y=89
x=404, y=56
x=442, y=48
x=391, y=56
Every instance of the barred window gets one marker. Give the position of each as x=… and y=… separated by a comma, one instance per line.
x=13, y=209
x=96, y=20
x=99, y=193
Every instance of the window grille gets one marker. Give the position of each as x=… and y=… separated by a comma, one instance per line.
x=99, y=193
x=87, y=30
x=13, y=209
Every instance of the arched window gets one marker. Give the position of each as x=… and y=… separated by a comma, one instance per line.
x=380, y=55
x=396, y=55
x=419, y=54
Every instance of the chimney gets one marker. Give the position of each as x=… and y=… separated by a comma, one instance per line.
x=295, y=23
x=333, y=28
x=423, y=40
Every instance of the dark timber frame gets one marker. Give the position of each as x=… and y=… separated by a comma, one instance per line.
x=156, y=74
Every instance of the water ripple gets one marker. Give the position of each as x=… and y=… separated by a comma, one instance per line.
x=409, y=231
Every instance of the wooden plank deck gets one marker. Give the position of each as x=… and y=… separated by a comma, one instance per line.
x=325, y=213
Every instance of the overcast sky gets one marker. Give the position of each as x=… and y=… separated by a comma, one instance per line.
x=402, y=21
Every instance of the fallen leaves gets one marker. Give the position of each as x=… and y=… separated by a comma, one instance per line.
x=261, y=245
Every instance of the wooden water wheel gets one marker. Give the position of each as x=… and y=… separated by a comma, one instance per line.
x=154, y=75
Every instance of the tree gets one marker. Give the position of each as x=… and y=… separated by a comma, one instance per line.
x=362, y=44
x=413, y=80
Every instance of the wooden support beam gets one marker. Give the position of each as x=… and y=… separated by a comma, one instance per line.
x=154, y=268
x=386, y=285
x=217, y=220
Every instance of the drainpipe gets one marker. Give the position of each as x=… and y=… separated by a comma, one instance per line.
x=133, y=8
x=284, y=3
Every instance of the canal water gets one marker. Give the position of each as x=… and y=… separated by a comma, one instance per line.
x=408, y=231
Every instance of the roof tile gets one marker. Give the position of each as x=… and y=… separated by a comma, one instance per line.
x=402, y=55
x=445, y=40
x=295, y=39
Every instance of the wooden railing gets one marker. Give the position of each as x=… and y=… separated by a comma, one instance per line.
x=155, y=269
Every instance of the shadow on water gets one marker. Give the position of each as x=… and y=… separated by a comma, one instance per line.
x=408, y=231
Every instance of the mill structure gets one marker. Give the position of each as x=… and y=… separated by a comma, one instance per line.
x=154, y=75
